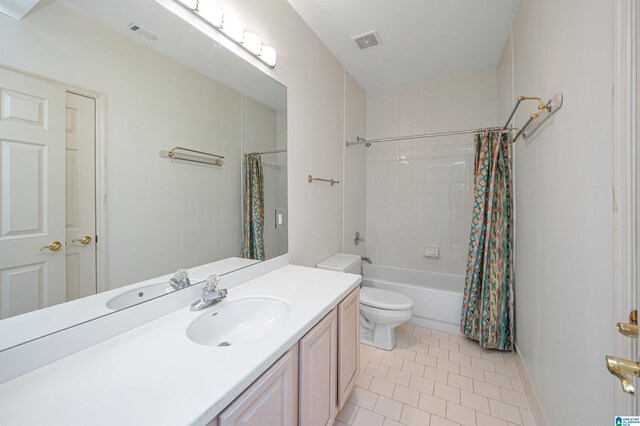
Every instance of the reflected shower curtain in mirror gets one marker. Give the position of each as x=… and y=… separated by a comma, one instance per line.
x=487, y=314
x=253, y=220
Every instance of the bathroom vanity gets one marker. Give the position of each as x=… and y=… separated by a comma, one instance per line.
x=311, y=382
x=299, y=370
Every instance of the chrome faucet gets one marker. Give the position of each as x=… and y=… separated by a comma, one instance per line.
x=180, y=280
x=210, y=294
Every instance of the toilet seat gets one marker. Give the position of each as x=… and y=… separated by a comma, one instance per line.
x=385, y=316
x=384, y=299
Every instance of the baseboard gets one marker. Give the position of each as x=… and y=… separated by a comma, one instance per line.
x=536, y=408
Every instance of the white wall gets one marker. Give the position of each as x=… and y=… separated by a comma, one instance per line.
x=420, y=191
x=563, y=181
x=160, y=215
x=355, y=178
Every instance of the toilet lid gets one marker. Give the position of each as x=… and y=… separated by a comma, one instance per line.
x=384, y=299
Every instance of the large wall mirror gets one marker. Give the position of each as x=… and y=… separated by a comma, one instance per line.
x=96, y=202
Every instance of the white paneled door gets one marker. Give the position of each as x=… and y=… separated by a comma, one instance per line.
x=47, y=194
x=80, y=197
x=32, y=193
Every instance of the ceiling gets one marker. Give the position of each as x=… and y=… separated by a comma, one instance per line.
x=421, y=39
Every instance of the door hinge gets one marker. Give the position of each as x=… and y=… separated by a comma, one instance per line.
x=96, y=239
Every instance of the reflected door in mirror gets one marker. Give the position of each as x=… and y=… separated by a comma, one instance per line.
x=80, y=208
x=47, y=195
x=32, y=194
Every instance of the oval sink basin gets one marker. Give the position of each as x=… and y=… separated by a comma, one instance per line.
x=240, y=321
x=139, y=295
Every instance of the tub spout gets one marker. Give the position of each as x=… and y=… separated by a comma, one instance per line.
x=366, y=259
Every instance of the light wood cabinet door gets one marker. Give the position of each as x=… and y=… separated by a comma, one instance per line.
x=348, y=345
x=318, y=373
x=271, y=400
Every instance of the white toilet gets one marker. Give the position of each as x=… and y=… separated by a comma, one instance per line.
x=381, y=311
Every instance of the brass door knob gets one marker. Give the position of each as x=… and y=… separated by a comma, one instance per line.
x=84, y=240
x=54, y=246
x=623, y=369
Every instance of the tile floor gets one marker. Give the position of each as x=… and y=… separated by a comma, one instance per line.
x=433, y=378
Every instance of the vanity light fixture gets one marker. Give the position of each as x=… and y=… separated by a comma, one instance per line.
x=268, y=55
x=210, y=12
x=252, y=42
x=189, y=4
x=232, y=28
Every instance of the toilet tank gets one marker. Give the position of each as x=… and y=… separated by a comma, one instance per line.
x=342, y=262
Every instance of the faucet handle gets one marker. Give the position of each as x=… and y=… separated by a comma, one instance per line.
x=181, y=275
x=213, y=281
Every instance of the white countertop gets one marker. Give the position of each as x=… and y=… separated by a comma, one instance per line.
x=32, y=325
x=155, y=375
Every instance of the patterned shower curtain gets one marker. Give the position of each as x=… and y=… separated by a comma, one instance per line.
x=253, y=218
x=487, y=314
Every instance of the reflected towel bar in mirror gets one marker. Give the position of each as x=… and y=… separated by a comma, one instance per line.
x=331, y=181
x=199, y=157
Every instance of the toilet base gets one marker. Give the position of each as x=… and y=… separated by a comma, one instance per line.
x=383, y=336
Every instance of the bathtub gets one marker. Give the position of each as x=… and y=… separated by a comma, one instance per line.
x=437, y=297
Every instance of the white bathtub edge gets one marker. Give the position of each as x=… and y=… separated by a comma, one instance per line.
x=435, y=324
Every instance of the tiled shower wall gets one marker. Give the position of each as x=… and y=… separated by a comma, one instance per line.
x=420, y=192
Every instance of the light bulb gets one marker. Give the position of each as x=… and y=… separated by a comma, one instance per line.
x=252, y=43
x=210, y=12
x=233, y=28
x=268, y=54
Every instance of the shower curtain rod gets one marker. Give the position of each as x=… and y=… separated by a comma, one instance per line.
x=545, y=111
x=368, y=142
x=277, y=151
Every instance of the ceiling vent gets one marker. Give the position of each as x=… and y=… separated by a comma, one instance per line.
x=367, y=40
x=142, y=31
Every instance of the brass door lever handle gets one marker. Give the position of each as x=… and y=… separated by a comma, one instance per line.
x=54, y=246
x=626, y=329
x=623, y=369
x=84, y=240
